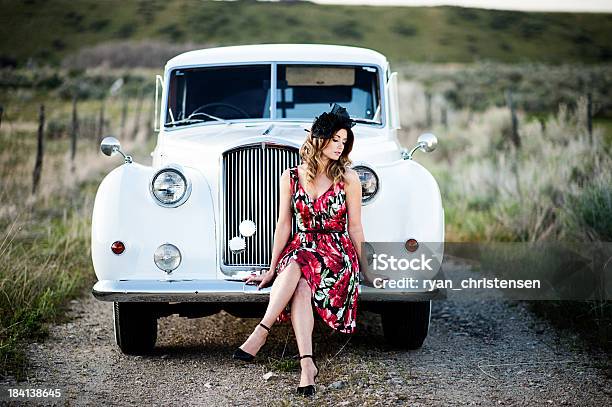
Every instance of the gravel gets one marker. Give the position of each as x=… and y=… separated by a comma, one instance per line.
x=478, y=352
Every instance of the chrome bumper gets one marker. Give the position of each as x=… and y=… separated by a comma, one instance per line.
x=224, y=291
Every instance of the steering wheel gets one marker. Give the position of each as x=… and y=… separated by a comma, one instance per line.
x=236, y=108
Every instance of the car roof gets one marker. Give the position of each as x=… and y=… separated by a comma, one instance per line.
x=280, y=53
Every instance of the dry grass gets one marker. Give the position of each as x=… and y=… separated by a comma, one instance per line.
x=45, y=237
x=127, y=54
x=557, y=186
x=494, y=191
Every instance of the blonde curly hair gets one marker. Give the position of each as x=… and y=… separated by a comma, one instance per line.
x=311, y=153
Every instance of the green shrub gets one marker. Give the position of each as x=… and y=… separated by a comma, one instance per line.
x=589, y=213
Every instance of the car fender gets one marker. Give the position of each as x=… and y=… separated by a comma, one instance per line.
x=408, y=205
x=126, y=211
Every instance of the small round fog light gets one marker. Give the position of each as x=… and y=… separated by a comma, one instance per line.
x=237, y=244
x=167, y=257
x=247, y=228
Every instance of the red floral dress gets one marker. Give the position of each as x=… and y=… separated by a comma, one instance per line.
x=328, y=260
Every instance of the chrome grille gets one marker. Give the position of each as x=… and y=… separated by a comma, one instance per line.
x=251, y=191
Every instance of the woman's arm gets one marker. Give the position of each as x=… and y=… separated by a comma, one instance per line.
x=283, y=225
x=353, y=206
x=281, y=233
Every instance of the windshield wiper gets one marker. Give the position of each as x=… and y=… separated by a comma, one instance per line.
x=207, y=115
x=190, y=120
x=365, y=121
x=183, y=122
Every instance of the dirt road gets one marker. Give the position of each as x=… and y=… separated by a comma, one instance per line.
x=477, y=353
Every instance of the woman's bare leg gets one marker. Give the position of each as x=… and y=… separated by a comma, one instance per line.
x=303, y=323
x=280, y=294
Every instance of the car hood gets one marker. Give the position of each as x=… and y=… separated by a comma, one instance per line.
x=202, y=146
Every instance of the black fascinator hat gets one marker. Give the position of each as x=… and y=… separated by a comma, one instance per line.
x=325, y=125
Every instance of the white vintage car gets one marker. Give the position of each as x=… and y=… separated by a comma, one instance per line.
x=177, y=237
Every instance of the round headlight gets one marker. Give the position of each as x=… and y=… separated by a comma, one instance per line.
x=167, y=257
x=170, y=187
x=369, y=183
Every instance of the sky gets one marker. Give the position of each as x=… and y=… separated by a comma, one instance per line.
x=529, y=5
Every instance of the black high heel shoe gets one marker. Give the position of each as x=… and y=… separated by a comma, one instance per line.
x=246, y=356
x=308, y=390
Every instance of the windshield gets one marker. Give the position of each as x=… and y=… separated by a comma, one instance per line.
x=224, y=93
x=305, y=91
x=219, y=93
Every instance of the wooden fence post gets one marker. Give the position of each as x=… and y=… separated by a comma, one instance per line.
x=428, y=108
x=124, y=110
x=516, y=140
x=88, y=127
x=151, y=118
x=40, y=150
x=101, y=123
x=444, y=117
x=73, y=133
x=138, y=112
x=590, y=113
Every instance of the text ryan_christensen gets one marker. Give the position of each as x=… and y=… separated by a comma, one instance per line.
x=384, y=262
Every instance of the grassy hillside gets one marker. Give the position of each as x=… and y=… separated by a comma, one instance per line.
x=48, y=30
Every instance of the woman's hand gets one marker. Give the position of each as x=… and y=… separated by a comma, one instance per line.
x=264, y=279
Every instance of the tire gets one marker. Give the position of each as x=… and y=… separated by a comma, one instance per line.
x=406, y=325
x=135, y=327
x=246, y=310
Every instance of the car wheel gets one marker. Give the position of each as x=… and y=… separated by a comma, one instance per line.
x=135, y=327
x=406, y=325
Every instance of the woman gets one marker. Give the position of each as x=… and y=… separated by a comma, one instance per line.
x=318, y=268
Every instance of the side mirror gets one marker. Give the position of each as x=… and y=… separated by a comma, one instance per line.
x=427, y=142
x=111, y=146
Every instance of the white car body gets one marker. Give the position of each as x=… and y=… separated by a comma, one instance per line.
x=406, y=206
